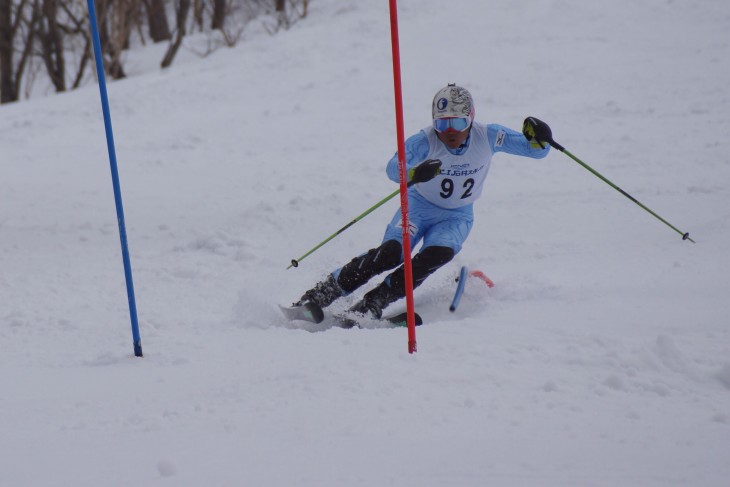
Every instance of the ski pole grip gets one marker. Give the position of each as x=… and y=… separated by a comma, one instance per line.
x=556, y=145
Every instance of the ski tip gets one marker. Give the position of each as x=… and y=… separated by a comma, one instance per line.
x=307, y=312
x=316, y=312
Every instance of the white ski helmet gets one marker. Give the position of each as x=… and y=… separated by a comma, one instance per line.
x=453, y=101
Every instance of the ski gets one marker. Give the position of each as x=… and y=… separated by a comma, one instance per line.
x=312, y=313
x=306, y=312
x=397, y=320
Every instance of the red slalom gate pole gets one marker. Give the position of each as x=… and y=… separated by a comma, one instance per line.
x=407, y=267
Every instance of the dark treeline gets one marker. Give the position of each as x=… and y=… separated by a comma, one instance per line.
x=52, y=37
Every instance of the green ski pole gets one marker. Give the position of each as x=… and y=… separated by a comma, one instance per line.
x=685, y=235
x=295, y=262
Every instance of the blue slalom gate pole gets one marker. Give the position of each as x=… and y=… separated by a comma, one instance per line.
x=115, y=178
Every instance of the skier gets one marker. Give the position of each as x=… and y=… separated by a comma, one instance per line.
x=447, y=163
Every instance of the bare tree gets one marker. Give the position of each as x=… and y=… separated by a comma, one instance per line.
x=51, y=43
x=199, y=14
x=182, y=8
x=8, y=86
x=287, y=12
x=76, y=30
x=157, y=19
x=17, y=31
x=220, y=9
x=121, y=18
x=216, y=9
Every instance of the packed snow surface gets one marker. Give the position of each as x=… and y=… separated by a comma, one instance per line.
x=600, y=358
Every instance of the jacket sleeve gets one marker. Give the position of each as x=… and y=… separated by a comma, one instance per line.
x=416, y=152
x=503, y=139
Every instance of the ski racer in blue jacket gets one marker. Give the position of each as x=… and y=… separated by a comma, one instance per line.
x=447, y=163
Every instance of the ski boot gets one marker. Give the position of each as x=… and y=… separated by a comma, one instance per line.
x=323, y=294
x=375, y=301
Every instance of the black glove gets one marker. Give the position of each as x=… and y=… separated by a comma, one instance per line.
x=537, y=132
x=425, y=171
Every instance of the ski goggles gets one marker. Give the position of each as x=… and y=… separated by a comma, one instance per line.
x=457, y=124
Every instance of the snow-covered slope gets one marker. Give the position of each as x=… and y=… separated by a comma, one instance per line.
x=601, y=357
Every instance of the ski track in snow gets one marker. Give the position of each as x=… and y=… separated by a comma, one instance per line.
x=600, y=358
